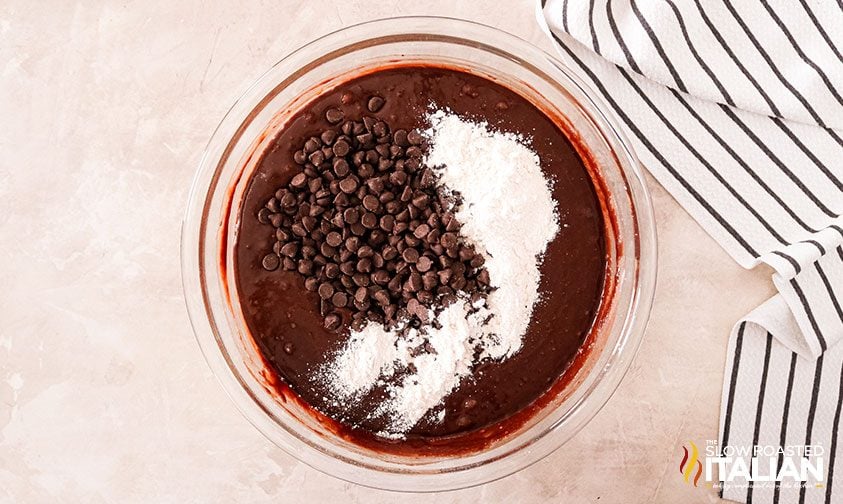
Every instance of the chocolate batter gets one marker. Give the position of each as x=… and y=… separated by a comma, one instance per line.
x=284, y=317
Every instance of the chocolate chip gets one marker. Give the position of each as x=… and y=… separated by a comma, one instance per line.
x=414, y=137
x=382, y=297
x=326, y=290
x=375, y=103
x=351, y=215
x=290, y=249
x=348, y=185
x=410, y=255
x=332, y=321
x=341, y=148
x=424, y=264
x=334, y=115
x=380, y=277
x=339, y=299
x=328, y=137
x=312, y=145
x=369, y=220
x=333, y=239
x=387, y=222
x=299, y=181
x=361, y=294
x=270, y=262
x=421, y=231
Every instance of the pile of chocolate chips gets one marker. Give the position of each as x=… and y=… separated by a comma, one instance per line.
x=365, y=225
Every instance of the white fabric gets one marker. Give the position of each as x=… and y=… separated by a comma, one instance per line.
x=735, y=108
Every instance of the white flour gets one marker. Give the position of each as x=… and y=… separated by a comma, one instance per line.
x=509, y=215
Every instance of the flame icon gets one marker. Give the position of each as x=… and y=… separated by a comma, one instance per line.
x=691, y=461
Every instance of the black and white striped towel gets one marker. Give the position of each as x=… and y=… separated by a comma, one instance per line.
x=735, y=107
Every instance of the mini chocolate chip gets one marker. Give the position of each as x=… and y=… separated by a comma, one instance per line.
x=375, y=103
x=332, y=270
x=332, y=321
x=288, y=200
x=421, y=231
x=380, y=129
x=366, y=170
x=410, y=255
x=365, y=138
x=448, y=240
x=406, y=194
x=380, y=277
x=327, y=250
x=387, y=222
x=361, y=279
x=326, y=290
x=334, y=115
x=400, y=138
x=305, y=267
x=348, y=185
x=417, y=309
x=341, y=167
x=351, y=215
x=270, y=262
x=424, y=264
x=361, y=294
x=317, y=158
x=369, y=220
x=358, y=229
x=339, y=299
x=341, y=148
x=312, y=144
x=276, y=220
x=394, y=285
x=309, y=223
x=375, y=185
x=328, y=137
x=414, y=282
x=389, y=253
x=333, y=239
x=414, y=137
x=421, y=200
x=398, y=178
x=483, y=277
x=299, y=181
x=347, y=268
x=290, y=249
x=300, y=157
x=382, y=297
x=371, y=204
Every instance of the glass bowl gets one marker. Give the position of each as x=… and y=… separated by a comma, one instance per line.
x=210, y=226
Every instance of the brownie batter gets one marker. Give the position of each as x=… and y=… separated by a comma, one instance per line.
x=284, y=317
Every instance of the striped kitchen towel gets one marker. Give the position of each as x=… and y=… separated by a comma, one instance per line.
x=735, y=107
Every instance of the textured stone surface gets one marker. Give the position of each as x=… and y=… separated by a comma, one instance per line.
x=104, y=395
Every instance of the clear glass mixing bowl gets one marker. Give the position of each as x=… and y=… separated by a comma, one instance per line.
x=210, y=226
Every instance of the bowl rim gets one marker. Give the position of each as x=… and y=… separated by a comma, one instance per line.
x=636, y=317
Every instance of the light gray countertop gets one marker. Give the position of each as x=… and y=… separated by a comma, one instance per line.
x=104, y=395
